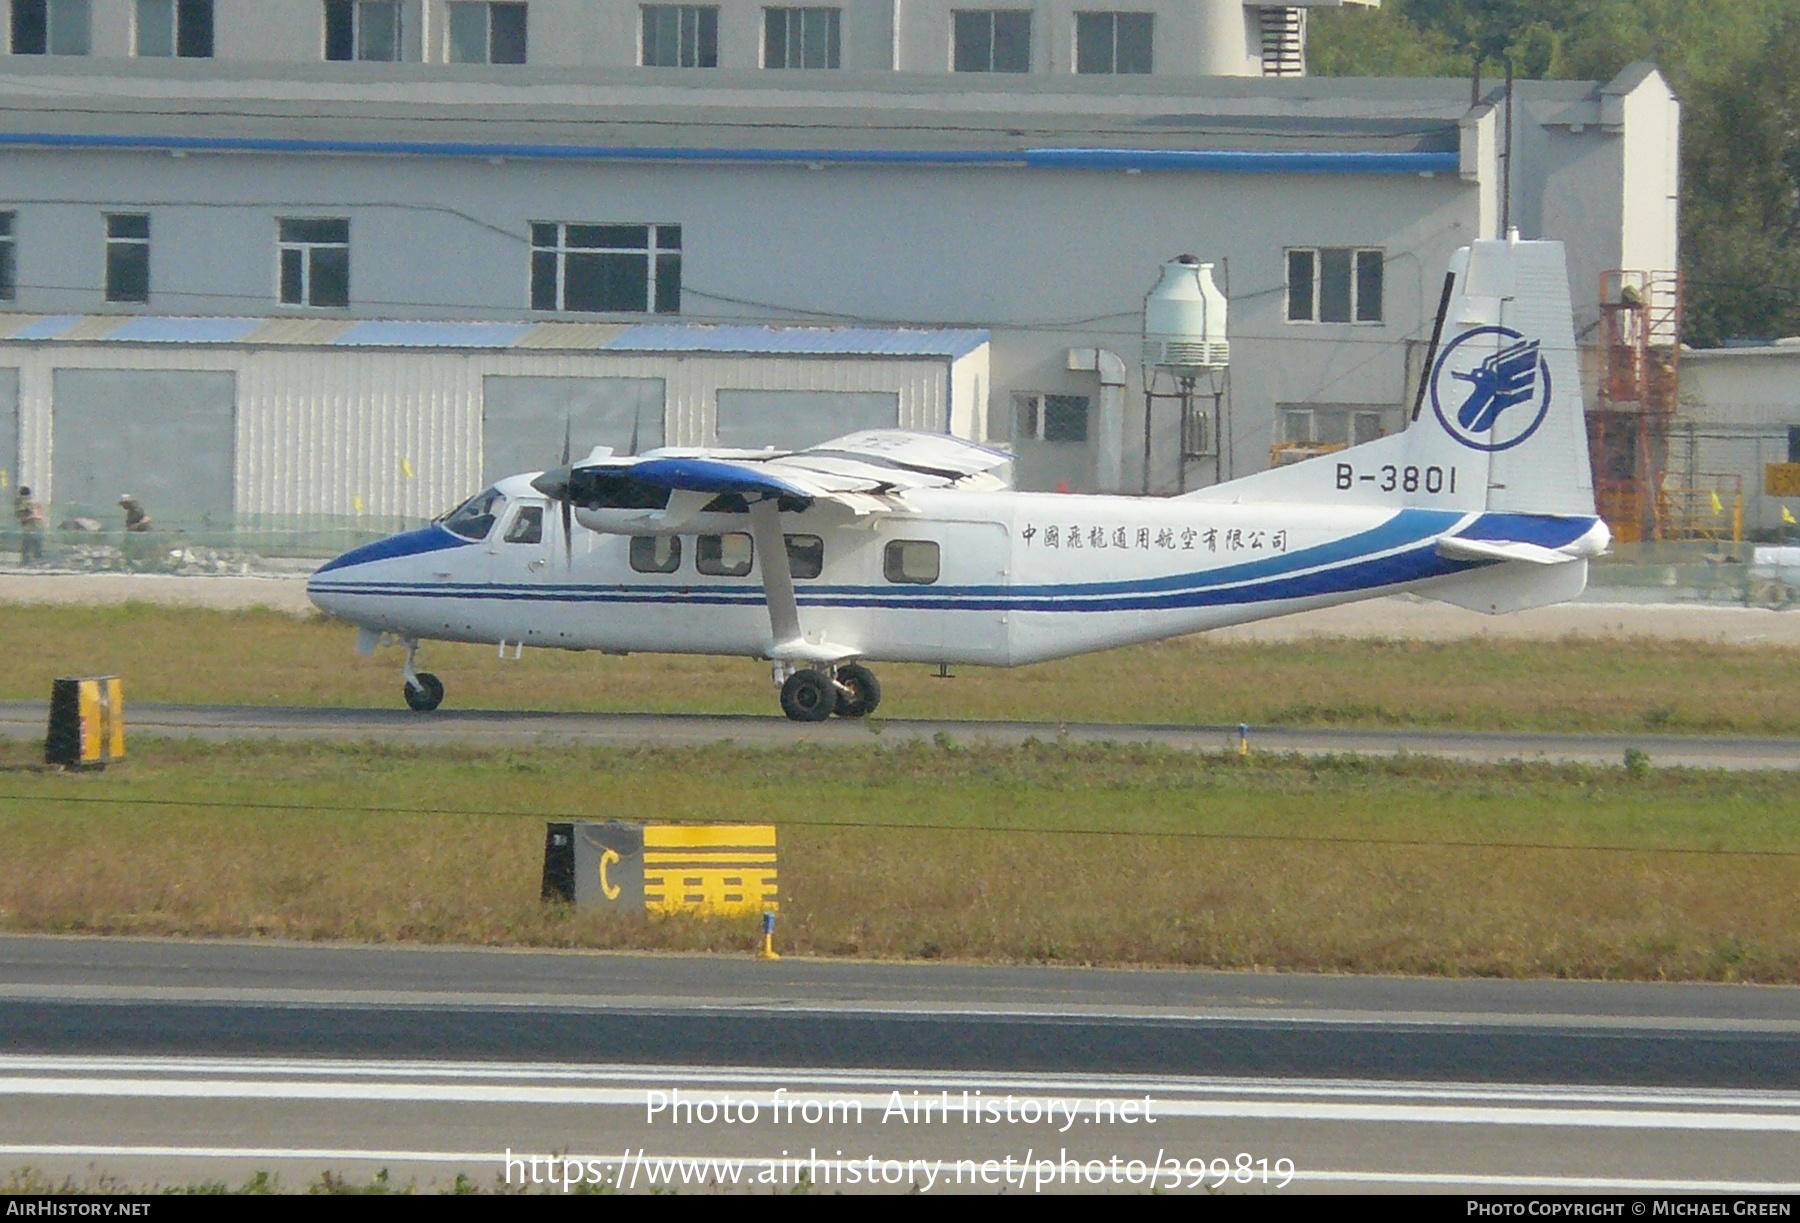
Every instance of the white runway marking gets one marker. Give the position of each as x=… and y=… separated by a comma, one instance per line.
x=629, y=1087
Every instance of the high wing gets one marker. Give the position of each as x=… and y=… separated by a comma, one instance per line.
x=859, y=474
x=863, y=473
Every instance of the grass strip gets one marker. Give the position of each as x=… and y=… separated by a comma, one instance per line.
x=261, y=657
x=922, y=850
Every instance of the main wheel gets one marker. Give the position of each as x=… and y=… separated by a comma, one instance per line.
x=428, y=695
x=808, y=696
x=864, y=691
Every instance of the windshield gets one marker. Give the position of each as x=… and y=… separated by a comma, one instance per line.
x=474, y=518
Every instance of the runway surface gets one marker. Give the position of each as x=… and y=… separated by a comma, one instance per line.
x=161, y=1059
x=26, y=720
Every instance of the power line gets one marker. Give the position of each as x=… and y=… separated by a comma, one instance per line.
x=914, y=826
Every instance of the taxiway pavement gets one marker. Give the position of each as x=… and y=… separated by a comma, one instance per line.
x=27, y=719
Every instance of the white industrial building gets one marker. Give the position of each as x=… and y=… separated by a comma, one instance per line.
x=1738, y=429
x=256, y=195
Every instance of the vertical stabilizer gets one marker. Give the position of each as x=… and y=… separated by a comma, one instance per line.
x=1497, y=424
x=1504, y=388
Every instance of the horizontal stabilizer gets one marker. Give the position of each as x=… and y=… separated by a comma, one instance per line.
x=1459, y=549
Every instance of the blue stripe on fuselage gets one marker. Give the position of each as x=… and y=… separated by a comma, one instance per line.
x=433, y=538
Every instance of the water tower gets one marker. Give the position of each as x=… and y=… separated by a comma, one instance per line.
x=1185, y=346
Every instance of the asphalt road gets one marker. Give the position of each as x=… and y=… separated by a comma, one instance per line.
x=26, y=720
x=157, y=1059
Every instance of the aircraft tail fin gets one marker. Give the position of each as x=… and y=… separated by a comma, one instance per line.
x=1497, y=423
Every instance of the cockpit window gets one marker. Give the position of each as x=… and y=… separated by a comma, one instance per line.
x=527, y=526
x=474, y=518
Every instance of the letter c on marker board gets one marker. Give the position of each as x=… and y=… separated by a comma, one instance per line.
x=607, y=887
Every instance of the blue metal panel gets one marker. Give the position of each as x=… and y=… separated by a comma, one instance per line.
x=184, y=330
x=433, y=335
x=46, y=328
x=799, y=341
x=1211, y=161
x=1217, y=162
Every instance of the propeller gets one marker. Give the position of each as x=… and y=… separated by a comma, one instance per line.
x=568, y=512
x=637, y=415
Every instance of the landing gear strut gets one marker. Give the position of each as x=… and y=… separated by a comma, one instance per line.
x=424, y=691
x=850, y=691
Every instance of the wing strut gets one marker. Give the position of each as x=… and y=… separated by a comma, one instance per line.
x=777, y=576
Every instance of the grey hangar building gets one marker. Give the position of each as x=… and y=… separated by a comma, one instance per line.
x=260, y=289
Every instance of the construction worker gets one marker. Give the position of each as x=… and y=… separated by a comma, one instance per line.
x=31, y=526
x=136, y=550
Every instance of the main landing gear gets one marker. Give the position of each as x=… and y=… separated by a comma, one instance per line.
x=849, y=691
x=424, y=691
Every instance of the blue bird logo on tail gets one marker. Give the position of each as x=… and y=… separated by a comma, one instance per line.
x=1504, y=380
x=1516, y=376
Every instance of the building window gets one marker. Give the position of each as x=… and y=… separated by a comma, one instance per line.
x=1113, y=43
x=655, y=553
x=1050, y=418
x=486, y=33
x=1793, y=430
x=363, y=29
x=314, y=256
x=1338, y=284
x=680, y=36
x=181, y=28
x=911, y=560
x=127, y=257
x=801, y=37
x=9, y=266
x=724, y=556
x=992, y=41
x=50, y=27
x=633, y=269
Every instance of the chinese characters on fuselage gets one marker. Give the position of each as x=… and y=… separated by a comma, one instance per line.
x=1068, y=537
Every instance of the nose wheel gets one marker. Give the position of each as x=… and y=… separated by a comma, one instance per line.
x=850, y=691
x=424, y=691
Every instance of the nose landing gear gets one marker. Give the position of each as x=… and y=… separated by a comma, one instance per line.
x=424, y=691
x=849, y=691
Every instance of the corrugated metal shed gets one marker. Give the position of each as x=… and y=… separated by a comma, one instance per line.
x=345, y=418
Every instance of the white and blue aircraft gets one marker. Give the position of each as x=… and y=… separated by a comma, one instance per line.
x=888, y=546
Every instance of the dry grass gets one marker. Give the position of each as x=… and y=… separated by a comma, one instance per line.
x=261, y=657
x=1078, y=855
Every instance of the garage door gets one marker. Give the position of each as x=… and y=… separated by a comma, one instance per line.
x=9, y=427
x=522, y=419
x=167, y=436
x=792, y=420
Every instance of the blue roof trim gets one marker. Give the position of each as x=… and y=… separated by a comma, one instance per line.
x=46, y=328
x=433, y=335
x=1222, y=162
x=1212, y=161
x=800, y=341
x=165, y=330
x=433, y=538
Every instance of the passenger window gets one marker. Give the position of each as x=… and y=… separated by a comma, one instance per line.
x=527, y=526
x=656, y=553
x=911, y=560
x=724, y=556
x=806, y=555
x=474, y=518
